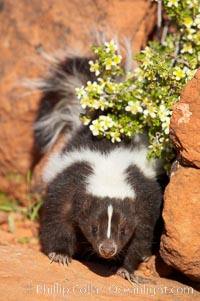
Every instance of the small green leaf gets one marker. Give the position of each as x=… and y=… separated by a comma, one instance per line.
x=24, y=240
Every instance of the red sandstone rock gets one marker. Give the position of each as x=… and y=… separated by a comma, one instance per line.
x=180, y=243
x=27, y=275
x=185, y=123
x=55, y=26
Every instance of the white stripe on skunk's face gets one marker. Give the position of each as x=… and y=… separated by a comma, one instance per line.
x=110, y=212
x=109, y=178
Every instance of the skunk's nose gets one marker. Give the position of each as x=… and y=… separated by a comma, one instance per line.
x=108, y=249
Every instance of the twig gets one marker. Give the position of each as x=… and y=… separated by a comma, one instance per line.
x=165, y=31
x=159, y=19
x=176, y=52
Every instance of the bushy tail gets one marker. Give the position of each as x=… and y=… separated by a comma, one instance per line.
x=59, y=109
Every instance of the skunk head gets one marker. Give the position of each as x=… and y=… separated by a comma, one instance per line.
x=107, y=223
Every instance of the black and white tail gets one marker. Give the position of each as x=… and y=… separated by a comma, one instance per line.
x=59, y=107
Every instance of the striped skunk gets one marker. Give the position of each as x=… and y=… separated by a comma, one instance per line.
x=101, y=197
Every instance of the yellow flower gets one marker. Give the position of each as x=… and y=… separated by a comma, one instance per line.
x=111, y=46
x=150, y=75
x=188, y=22
x=95, y=127
x=94, y=87
x=94, y=67
x=85, y=120
x=102, y=103
x=139, y=73
x=197, y=21
x=106, y=122
x=148, y=52
x=111, y=62
x=179, y=73
x=80, y=92
x=165, y=125
x=172, y=3
x=191, y=34
x=85, y=102
x=134, y=107
x=187, y=48
x=146, y=62
x=150, y=111
x=117, y=59
x=163, y=113
x=115, y=136
x=192, y=3
x=108, y=63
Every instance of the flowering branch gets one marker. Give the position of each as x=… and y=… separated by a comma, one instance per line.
x=129, y=103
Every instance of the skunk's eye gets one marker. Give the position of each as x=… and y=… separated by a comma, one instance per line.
x=94, y=229
x=122, y=231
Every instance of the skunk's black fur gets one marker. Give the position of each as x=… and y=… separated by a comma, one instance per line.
x=101, y=197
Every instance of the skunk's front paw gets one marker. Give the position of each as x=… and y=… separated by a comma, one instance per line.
x=122, y=272
x=60, y=258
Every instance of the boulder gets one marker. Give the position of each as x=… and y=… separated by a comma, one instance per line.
x=180, y=243
x=185, y=123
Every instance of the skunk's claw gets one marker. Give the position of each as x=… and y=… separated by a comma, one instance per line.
x=51, y=256
x=122, y=272
x=60, y=258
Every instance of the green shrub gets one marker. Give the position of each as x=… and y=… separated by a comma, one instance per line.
x=131, y=102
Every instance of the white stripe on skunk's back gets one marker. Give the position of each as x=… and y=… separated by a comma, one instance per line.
x=108, y=177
